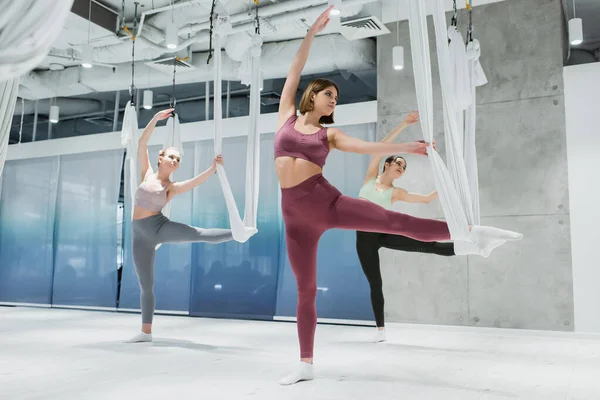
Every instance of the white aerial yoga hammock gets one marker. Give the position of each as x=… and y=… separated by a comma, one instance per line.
x=8, y=99
x=459, y=94
x=476, y=77
x=129, y=140
x=172, y=139
x=27, y=30
x=453, y=188
x=466, y=75
x=241, y=230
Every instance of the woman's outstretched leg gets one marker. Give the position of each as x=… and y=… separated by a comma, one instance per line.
x=362, y=215
x=403, y=243
x=175, y=232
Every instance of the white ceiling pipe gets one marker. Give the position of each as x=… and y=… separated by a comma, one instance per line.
x=148, y=43
x=310, y=14
x=199, y=38
x=33, y=86
x=282, y=12
x=263, y=12
x=238, y=41
x=277, y=14
x=162, y=10
x=46, y=84
x=145, y=49
x=335, y=52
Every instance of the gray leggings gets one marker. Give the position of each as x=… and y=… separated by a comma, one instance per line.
x=149, y=232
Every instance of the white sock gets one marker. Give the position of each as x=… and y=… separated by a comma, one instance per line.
x=301, y=372
x=495, y=233
x=140, y=337
x=489, y=238
x=464, y=248
x=378, y=337
x=485, y=240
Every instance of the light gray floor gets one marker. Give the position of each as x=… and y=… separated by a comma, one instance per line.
x=67, y=354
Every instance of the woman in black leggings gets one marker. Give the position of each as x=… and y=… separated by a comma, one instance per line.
x=379, y=189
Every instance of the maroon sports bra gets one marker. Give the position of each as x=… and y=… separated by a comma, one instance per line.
x=289, y=142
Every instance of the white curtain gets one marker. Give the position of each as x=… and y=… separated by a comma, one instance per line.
x=8, y=99
x=27, y=30
x=242, y=230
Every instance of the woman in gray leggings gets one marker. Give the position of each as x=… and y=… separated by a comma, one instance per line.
x=151, y=227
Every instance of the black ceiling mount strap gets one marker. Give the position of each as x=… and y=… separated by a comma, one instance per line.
x=455, y=15
x=132, y=89
x=256, y=20
x=210, y=49
x=173, y=101
x=470, y=31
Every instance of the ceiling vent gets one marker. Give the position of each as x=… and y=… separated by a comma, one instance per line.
x=362, y=28
x=165, y=65
x=101, y=15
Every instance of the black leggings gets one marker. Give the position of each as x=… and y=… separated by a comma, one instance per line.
x=367, y=247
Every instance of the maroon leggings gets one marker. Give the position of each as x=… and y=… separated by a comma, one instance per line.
x=314, y=206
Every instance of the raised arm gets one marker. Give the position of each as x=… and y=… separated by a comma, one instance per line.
x=373, y=168
x=400, y=194
x=287, y=103
x=143, y=158
x=350, y=144
x=184, y=186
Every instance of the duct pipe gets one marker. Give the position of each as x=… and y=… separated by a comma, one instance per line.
x=276, y=14
x=279, y=13
x=335, y=53
x=263, y=12
x=162, y=10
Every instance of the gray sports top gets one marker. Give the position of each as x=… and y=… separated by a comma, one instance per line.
x=151, y=197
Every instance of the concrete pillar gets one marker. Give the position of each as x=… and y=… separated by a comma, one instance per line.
x=522, y=164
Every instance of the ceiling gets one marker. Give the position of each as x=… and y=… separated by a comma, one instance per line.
x=87, y=97
x=232, y=6
x=95, y=89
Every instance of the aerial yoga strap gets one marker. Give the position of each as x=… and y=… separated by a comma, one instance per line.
x=241, y=230
x=455, y=198
x=466, y=75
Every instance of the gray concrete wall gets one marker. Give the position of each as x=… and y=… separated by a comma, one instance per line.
x=522, y=161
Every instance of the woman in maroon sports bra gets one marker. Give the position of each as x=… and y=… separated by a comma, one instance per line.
x=311, y=205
